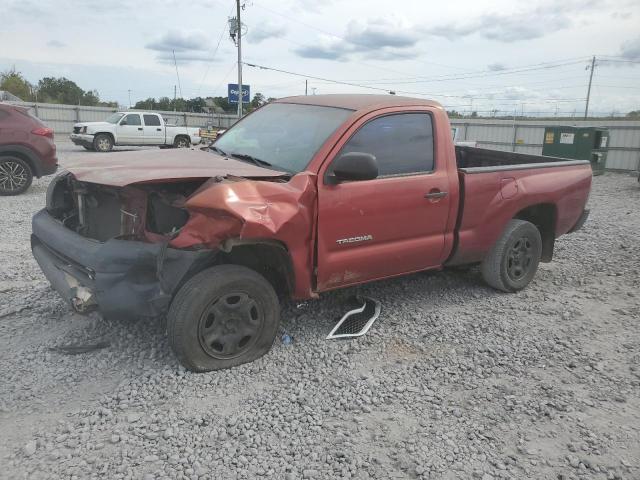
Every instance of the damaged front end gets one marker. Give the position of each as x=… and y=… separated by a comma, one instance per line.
x=109, y=247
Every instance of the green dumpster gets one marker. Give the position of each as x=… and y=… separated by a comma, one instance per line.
x=579, y=143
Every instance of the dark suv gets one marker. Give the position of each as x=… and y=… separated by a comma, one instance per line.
x=26, y=149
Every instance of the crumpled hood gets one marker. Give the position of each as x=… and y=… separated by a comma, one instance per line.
x=119, y=169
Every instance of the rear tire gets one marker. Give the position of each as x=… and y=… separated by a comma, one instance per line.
x=224, y=316
x=102, y=143
x=15, y=176
x=182, y=142
x=513, y=261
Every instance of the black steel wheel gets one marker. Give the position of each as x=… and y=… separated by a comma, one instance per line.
x=520, y=258
x=230, y=325
x=15, y=176
x=513, y=261
x=222, y=317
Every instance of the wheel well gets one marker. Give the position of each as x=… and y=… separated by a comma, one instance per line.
x=182, y=135
x=21, y=156
x=543, y=216
x=105, y=133
x=270, y=259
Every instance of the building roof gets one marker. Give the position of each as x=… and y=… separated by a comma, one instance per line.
x=357, y=101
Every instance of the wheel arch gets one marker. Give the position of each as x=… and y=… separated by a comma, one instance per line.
x=23, y=153
x=544, y=217
x=270, y=258
x=111, y=134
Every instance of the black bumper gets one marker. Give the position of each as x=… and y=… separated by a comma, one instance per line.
x=581, y=221
x=121, y=278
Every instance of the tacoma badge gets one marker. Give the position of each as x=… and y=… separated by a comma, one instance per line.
x=361, y=238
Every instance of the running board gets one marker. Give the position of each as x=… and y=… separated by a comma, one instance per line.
x=358, y=321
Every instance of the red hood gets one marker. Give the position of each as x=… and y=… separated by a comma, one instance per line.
x=148, y=166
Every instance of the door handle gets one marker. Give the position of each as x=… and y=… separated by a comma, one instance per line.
x=159, y=129
x=139, y=128
x=435, y=195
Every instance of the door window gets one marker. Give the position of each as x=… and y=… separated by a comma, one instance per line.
x=402, y=143
x=151, y=120
x=131, y=119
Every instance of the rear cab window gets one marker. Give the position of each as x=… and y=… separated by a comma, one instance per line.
x=401, y=142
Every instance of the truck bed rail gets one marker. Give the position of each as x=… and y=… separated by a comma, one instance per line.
x=482, y=160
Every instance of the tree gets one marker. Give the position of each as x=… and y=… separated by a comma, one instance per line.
x=148, y=104
x=60, y=90
x=634, y=114
x=164, y=103
x=15, y=83
x=257, y=102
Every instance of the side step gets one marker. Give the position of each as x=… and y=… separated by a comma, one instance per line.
x=358, y=321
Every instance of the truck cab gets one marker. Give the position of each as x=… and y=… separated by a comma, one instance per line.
x=132, y=129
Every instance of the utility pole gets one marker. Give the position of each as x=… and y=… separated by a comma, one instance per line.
x=593, y=65
x=129, y=97
x=239, y=27
x=306, y=87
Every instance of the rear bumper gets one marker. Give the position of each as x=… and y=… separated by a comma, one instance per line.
x=121, y=278
x=581, y=221
x=82, y=139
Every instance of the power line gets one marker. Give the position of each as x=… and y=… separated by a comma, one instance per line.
x=380, y=89
x=210, y=62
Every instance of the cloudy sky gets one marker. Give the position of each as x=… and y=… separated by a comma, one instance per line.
x=468, y=54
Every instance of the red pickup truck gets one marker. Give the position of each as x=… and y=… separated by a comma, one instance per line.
x=305, y=195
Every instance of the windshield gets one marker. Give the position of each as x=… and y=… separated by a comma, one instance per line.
x=114, y=118
x=286, y=135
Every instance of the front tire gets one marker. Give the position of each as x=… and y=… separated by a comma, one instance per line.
x=15, y=176
x=102, y=143
x=224, y=316
x=513, y=261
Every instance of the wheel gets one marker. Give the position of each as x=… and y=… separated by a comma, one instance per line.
x=102, y=143
x=91, y=149
x=224, y=316
x=15, y=176
x=513, y=261
x=181, y=142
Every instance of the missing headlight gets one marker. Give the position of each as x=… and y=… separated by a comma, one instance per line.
x=164, y=218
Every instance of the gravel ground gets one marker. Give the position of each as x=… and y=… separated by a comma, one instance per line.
x=454, y=380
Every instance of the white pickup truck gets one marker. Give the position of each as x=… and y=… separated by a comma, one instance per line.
x=132, y=128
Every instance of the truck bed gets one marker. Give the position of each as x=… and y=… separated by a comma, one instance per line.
x=468, y=158
x=497, y=186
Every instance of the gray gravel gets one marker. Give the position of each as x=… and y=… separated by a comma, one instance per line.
x=454, y=380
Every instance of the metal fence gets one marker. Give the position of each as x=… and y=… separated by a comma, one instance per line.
x=62, y=117
x=526, y=136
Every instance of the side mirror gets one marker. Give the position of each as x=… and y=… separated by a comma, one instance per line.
x=352, y=166
x=123, y=122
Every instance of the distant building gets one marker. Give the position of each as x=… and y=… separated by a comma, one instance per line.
x=8, y=97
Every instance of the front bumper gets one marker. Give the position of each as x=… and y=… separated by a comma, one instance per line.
x=121, y=278
x=82, y=139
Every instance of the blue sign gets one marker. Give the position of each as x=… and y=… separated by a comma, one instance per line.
x=232, y=93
